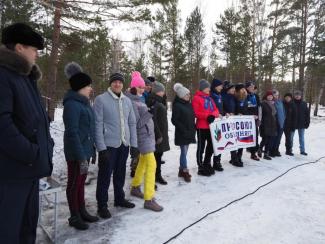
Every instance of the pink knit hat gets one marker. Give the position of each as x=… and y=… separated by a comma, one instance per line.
x=137, y=80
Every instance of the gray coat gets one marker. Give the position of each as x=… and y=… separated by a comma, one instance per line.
x=115, y=121
x=145, y=125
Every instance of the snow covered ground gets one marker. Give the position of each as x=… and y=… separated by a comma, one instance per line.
x=290, y=210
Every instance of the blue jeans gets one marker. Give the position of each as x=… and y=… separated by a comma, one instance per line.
x=183, y=159
x=301, y=133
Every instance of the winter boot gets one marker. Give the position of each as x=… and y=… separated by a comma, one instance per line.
x=259, y=152
x=184, y=174
x=104, y=213
x=217, y=166
x=86, y=216
x=124, y=204
x=136, y=192
x=152, y=205
x=160, y=179
x=289, y=153
x=277, y=154
x=254, y=157
x=76, y=222
x=209, y=168
x=267, y=156
x=304, y=153
x=203, y=171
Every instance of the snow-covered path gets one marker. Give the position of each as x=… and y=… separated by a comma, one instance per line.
x=290, y=210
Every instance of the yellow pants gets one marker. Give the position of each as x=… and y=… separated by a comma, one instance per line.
x=147, y=168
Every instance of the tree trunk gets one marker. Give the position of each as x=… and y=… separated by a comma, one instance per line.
x=319, y=96
x=53, y=61
x=303, y=84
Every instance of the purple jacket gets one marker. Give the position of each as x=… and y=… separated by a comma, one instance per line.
x=145, y=125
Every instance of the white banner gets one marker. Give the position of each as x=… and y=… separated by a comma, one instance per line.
x=232, y=133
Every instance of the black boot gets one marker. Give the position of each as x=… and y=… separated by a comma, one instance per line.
x=86, y=216
x=76, y=222
x=209, y=168
x=217, y=166
x=267, y=156
x=124, y=204
x=104, y=213
x=160, y=179
x=289, y=153
x=203, y=171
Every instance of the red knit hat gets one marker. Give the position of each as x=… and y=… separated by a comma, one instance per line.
x=268, y=93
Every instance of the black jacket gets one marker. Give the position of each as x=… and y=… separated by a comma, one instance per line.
x=303, y=115
x=241, y=107
x=26, y=146
x=159, y=110
x=268, y=125
x=291, y=113
x=184, y=120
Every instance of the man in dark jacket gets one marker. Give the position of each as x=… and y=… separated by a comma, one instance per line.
x=302, y=120
x=289, y=122
x=26, y=146
x=253, y=104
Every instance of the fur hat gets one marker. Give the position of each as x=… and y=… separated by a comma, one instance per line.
x=203, y=84
x=276, y=92
x=227, y=85
x=157, y=87
x=76, y=77
x=181, y=90
x=116, y=76
x=23, y=34
x=249, y=83
x=239, y=86
x=297, y=93
x=137, y=80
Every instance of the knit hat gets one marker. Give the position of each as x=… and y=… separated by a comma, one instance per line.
x=297, y=93
x=249, y=83
x=288, y=95
x=215, y=82
x=151, y=78
x=181, y=90
x=157, y=87
x=137, y=80
x=227, y=85
x=239, y=86
x=76, y=77
x=116, y=76
x=268, y=93
x=203, y=85
x=23, y=34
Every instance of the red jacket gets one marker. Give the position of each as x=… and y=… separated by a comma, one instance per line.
x=203, y=106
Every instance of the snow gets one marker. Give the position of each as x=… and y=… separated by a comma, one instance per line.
x=289, y=210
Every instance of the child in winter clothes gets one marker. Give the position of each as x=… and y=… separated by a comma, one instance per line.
x=146, y=146
x=241, y=109
x=216, y=89
x=79, y=122
x=156, y=103
x=205, y=112
x=184, y=121
x=289, y=122
x=268, y=127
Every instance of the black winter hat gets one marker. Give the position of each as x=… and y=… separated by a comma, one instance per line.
x=288, y=94
x=23, y=34
x=239, y=86
x=249, y=83
x=77, y=78
x=215, y=82
x=228, y=85
x=151, y=78
x=116, y=76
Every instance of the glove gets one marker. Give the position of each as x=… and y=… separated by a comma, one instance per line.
x=103, y=156
x=134, y=152
x=83, y=165
x=94, y=157
x=151, y=109
x=159, y=140
x=210, y=119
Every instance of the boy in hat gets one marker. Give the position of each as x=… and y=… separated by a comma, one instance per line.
x=289, y=122
x=26, y=147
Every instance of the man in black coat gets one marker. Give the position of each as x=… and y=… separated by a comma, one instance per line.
x=26, y=146
x=302, y=120
x=289, y=122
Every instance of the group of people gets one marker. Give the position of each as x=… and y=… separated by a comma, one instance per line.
x=117, y=125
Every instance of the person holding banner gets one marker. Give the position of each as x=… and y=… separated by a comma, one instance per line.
x=184, y=121
x=216, y=89
x=268, y=128
x=253, y=103
x=241, y=109
x=205, y=112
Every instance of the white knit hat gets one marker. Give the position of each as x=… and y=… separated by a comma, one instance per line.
x=181, y=90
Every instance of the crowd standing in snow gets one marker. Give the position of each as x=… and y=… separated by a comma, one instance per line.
x=117, y=125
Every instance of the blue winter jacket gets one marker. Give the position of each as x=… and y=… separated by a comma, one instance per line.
x=280, y=111
x=229, y=103
x=79, y=122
